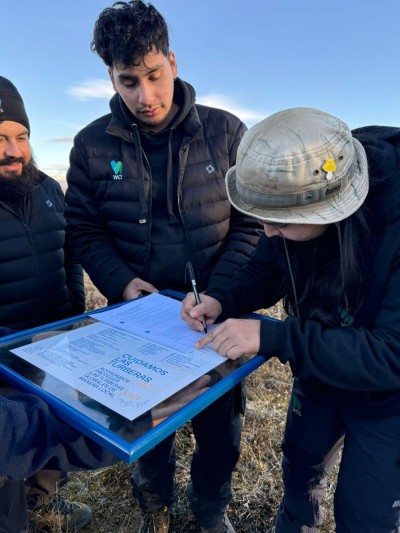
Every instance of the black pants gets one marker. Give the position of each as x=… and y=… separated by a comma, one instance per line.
x=16, y=496
x=217, y=430
x=13, y=515
x=367, y=496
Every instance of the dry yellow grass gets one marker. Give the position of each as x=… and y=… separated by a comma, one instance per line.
x=257, y=486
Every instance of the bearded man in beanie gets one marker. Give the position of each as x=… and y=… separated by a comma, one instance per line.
x=39, y=283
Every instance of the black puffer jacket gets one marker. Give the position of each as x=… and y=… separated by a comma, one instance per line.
x=104, y=205
x=39, y=282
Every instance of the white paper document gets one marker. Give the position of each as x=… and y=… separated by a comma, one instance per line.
x=135, y=357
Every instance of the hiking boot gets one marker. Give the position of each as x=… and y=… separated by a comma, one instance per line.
x=63, y=515
x=155, y=522
x=223, y=526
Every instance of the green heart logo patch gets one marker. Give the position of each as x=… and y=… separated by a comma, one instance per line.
x=117, y=167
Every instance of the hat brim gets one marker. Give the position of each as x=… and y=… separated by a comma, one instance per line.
x=337, y=207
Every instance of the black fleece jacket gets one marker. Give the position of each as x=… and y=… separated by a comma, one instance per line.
x=109, y=198
x=360, y=363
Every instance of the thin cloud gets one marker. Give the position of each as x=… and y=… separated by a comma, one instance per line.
x=91, y=88
x=61, y=140
x=248, y=116
x=56, y=171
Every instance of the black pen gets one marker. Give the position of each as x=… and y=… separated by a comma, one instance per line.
x=195, y=291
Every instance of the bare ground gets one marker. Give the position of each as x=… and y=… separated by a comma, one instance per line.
x=257, y=486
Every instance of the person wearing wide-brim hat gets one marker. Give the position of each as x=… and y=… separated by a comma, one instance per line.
x=329, y=203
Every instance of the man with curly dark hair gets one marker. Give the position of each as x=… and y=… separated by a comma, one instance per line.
x=146, y=194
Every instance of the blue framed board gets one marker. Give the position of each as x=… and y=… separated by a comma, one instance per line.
x=127, y=439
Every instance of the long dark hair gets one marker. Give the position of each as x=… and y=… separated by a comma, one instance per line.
x=327, y=272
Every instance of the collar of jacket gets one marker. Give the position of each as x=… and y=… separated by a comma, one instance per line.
x=382, y=146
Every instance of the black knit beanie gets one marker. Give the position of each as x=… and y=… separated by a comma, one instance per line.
x=11, y=104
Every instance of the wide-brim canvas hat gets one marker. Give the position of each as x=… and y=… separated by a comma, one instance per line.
x=299, y=166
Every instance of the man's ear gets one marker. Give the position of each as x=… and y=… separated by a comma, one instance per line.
x=110, y=73
x=173, y=63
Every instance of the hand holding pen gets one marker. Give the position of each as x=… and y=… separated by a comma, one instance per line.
x=195, y=291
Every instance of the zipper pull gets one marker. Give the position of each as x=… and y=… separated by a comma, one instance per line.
x=28, y=232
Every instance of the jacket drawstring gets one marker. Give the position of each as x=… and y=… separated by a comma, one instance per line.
x=170, y=185
x=144, y=211
x=339, y=232
x=296, y=303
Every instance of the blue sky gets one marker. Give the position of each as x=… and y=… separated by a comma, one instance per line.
x=252, y=58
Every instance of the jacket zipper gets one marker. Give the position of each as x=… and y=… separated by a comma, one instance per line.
x=182, y=167
x=28, y=233
x=23, y=220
